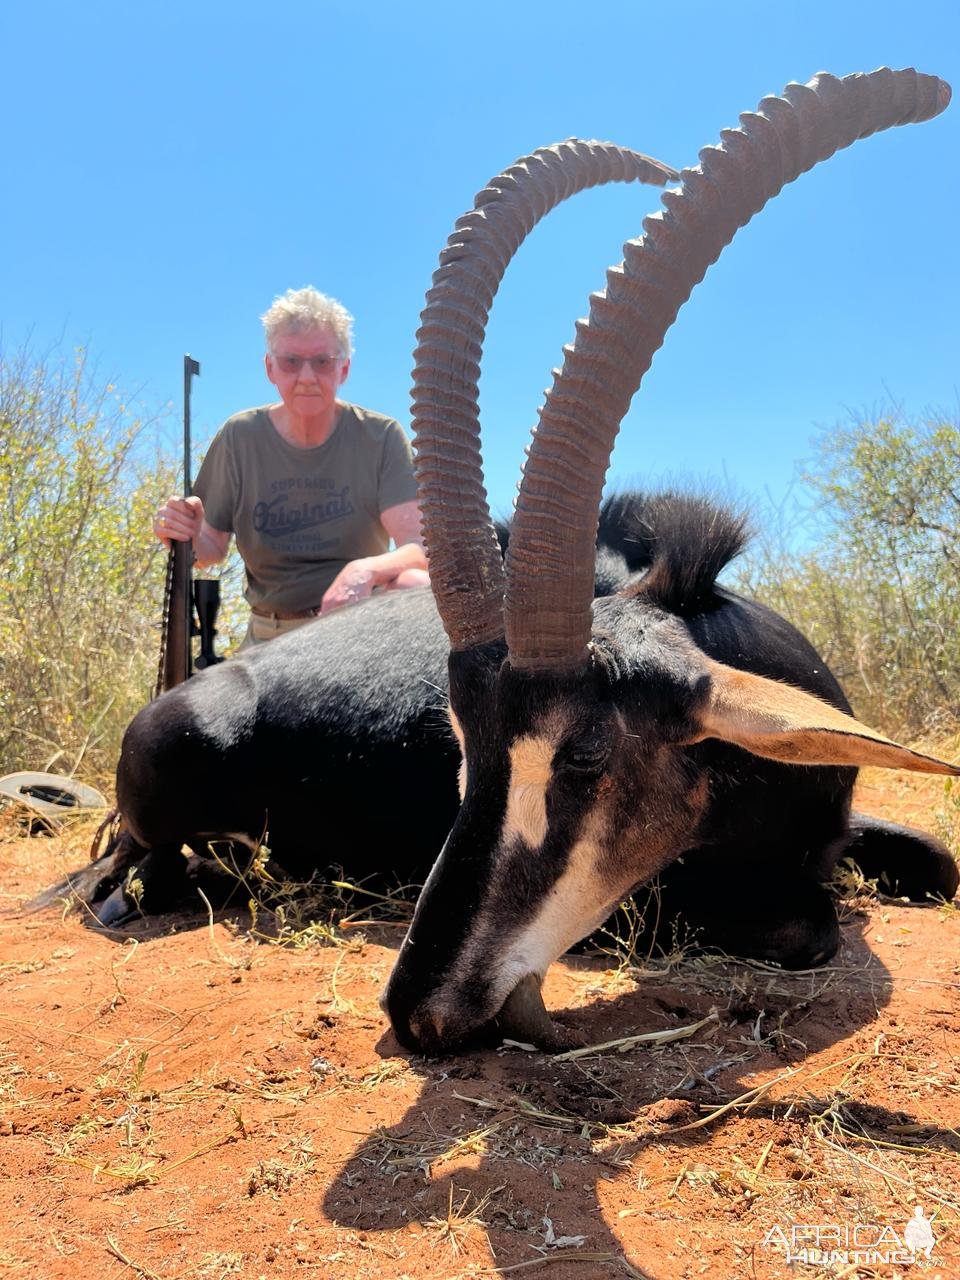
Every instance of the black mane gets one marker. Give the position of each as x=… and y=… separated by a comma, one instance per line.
x=683, y=540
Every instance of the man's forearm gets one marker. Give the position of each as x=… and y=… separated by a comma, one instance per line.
x=391, y=564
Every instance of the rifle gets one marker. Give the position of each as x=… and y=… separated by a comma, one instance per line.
x=178, y=624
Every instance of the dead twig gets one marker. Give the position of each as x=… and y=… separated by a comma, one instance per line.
x=647, y=1037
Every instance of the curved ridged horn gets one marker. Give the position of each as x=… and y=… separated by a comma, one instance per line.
x=466, y=570
x=550, y=561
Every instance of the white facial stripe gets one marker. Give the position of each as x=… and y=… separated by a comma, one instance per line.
x=576, y=905
x=458, y=734
x=531, y=762
x=455, y=726
x=531, y=759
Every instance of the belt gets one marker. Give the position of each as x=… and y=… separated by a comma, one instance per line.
x=283, y=617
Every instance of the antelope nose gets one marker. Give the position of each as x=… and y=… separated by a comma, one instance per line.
x=416, y=1026
x=427, y=1030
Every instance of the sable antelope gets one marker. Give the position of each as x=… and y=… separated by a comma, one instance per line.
x=673, y=723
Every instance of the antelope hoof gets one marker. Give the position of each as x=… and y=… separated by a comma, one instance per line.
x=524, y=1017
x=115, y=910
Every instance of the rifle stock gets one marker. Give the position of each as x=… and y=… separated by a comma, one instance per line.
x=176, y=664
x=177, y=618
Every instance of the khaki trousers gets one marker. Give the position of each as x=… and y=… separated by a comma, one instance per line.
x=260, y=630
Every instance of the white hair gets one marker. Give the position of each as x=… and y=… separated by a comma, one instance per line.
x=300, y=309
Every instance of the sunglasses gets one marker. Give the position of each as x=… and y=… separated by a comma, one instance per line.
x=319, y=364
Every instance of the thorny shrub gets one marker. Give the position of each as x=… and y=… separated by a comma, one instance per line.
x=82, y=586
x=878, y=593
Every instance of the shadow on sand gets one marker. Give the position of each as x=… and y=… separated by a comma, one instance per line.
x=541, y=1148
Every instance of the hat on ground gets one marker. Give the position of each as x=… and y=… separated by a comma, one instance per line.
x=49, y=794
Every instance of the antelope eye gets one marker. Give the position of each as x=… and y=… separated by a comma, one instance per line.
x=585, y=758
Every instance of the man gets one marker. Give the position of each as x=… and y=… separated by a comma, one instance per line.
x=313, y=488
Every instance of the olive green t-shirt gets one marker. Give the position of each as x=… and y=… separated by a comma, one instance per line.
x=300, y=515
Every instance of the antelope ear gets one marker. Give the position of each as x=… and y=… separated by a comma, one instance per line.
x=783, y=723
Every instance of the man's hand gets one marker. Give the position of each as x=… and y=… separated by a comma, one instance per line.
x=178, y=520
x=353, y=583
x=405, y=566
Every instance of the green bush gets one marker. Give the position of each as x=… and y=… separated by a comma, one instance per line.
x=879, y=592
x=81, y=586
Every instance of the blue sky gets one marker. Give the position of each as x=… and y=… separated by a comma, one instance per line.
x=171, y=167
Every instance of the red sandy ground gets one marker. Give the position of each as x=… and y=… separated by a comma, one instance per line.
x=194, y=1103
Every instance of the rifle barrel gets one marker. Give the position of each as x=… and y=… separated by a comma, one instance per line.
x=177, y=661
x=191, y=370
